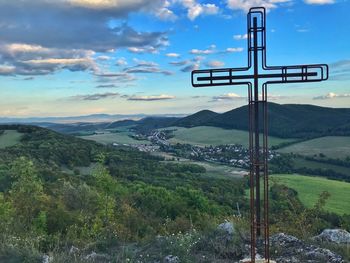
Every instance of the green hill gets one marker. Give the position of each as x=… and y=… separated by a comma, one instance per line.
x=291, y=120
x=196, y=119
x=285, y=121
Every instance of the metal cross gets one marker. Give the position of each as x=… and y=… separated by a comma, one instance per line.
x=250, y=76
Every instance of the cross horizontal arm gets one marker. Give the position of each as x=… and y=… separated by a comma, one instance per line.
x=260, y=76
x=273, y=75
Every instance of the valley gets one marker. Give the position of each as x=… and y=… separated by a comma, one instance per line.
x=141, y=179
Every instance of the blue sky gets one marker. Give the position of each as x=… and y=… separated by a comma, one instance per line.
x=77, y=57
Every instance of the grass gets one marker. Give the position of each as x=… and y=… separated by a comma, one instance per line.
x=300, y=163
x=331, y=146
x=10, y=138
x=309, y=188
x=212, y=169
x=118, y=137
x=205, y=135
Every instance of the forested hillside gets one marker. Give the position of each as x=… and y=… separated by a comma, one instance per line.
x=58, y=188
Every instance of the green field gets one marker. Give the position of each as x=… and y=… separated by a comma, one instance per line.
x=309, y=188
x=300, y=163
x=212, y=169
x=118, y=137
x=9, y=138
x=205, y=135
x=331, y=146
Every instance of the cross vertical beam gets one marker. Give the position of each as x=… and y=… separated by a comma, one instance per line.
x=258, y=112
x=256, y=125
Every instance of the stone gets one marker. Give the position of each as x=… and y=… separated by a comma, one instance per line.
x=74, y=250
x=94, y=257
x=47, y=259
x=289, y=249
x=171, y=259
x=227, y=227
x=338, y=236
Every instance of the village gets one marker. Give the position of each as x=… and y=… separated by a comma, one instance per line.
x=229, y=154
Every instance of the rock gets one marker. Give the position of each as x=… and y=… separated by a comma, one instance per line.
x=74, y=250
x=47, y=259
x=289, y=249
x=94, y=257
x=227, y=227
x=338, y=236
x=171, y=259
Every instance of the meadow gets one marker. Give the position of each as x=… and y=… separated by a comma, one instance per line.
x=205, y=135
x=300, y=163
x=211, y=169
x=120, y=137
x=309, y=189
x=330, y=146
x=9, y=138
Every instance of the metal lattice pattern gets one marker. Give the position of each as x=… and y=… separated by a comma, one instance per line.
x=258, y=112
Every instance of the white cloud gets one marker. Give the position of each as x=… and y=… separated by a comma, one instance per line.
x=141, y=50
x=151, y=98
x=240, y=37
x=201, y=52
x=195, y=9
x=103, y=58
x=97, y=96
x=121, y=62
x=172, y=55
x=228, y=96
x=7, y=70
x=215, y=64
x=191, y=67
x=73, y=64
x=143, y=66
x=234, y=49
x=245, y=5
x=179, y=63
x=319, y=2
x=332, y=95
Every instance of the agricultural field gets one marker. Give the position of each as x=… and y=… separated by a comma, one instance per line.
x=331, y=146
x=121, y=137
x=9, y=138
x=309, y=188
x=205, y=135
x=212, y=169
x=300, y=163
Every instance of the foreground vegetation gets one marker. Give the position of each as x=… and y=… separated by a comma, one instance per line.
x=310, y=188
x=122, y=201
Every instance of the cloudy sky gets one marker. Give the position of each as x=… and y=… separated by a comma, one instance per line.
x=77, y=57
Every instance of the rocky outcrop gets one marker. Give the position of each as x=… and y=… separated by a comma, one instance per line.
x=338, y=236
x=289, y=249
x=171, y=259
x=226, y=227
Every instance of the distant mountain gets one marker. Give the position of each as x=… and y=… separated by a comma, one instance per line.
x=197, y=119
x=286, y=121
x=291, y=120
x=93, y=118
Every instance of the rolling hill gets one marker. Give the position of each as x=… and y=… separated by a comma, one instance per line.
x=291, y=120
x=285, y=121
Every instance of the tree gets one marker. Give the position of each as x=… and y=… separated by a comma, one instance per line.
x=26, y=193
x=107, y=185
